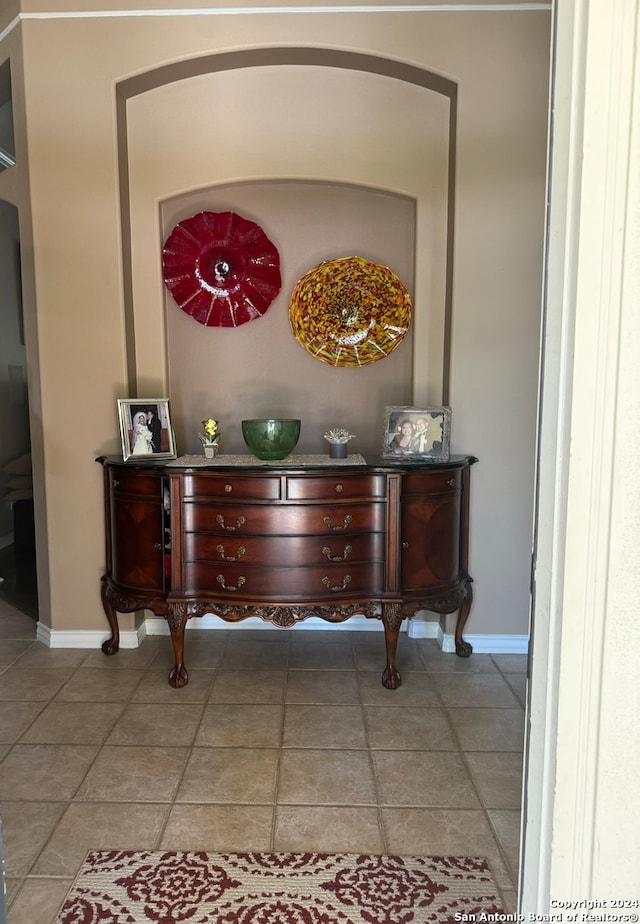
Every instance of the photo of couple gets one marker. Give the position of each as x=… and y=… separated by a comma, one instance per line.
x=145, y=436
x=420, y=432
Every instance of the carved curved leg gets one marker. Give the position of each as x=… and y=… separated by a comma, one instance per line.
x=111, y=645
x=392, y=620
x=464, y=649
x=177, y=616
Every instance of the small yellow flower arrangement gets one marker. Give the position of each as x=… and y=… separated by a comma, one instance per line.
x=210, y=436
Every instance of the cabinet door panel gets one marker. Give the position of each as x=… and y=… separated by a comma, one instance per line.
x=136, y=544
x=430, y=542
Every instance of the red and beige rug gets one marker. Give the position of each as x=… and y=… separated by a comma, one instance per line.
x=132, y=887
x=175, y=887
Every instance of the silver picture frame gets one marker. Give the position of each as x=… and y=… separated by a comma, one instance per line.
x=145, y=429
x=418, y=433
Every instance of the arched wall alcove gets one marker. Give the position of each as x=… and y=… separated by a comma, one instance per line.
x=259, y=369
x=332, y=153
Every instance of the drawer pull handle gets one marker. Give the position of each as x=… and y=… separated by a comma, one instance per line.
x=115, y=483
x=339, y=488
x=157, y=545
x=236, y=557
x=327, y=583
x=347, y=551
x=228, y=488
x=405, y=544
x=451, y=482
x=220, y=580
x=346, y=521
x=231, y=529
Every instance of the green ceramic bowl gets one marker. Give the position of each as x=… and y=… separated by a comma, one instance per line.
x=271, y=439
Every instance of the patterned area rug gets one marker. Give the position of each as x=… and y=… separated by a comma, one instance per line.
x=131, y=887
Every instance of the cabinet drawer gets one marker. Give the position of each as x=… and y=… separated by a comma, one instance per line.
x=142, y=484
x=283, y=551
x=238, y=583
x=283, y=519
x=436, y=482
x=335, y=486
x=255, y=487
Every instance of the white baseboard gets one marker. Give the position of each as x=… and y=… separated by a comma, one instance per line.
x=481, y=644
x=153, y=625
x=421, y=628
x=87, y=639
x=486, y=644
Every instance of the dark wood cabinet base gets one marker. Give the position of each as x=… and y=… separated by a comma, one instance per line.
x=178, y=614
x=402, y=548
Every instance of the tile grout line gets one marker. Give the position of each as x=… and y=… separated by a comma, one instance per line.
x=276, y=791
x=384, y=840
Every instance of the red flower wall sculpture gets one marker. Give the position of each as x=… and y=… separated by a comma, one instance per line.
x=221, y=269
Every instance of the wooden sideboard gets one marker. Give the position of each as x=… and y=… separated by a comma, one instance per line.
x=379, y=540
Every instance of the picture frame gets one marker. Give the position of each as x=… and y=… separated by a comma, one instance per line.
x=417, y=433
x=145, y=429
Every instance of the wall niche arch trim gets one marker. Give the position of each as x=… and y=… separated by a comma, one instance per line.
x=131, y=87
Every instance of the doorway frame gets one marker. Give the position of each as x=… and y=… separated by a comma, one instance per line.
x=579, y=838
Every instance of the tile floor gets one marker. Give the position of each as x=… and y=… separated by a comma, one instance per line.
x=282, y=740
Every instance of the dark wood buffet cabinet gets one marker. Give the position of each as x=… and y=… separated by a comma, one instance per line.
x=380, y=540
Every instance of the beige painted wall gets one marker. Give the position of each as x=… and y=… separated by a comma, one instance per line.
x=500, y=62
